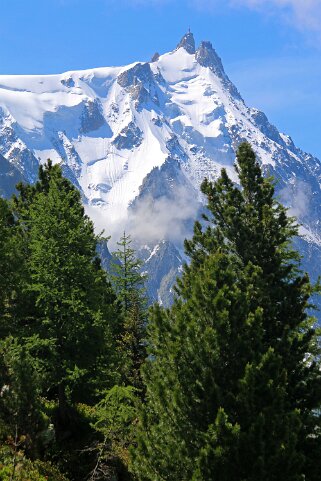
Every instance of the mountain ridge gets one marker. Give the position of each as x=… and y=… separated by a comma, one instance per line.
x=137, y=141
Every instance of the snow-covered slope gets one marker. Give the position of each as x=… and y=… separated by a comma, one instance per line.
x=138, y=140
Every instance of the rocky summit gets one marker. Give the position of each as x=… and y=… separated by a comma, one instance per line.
x=138, y=140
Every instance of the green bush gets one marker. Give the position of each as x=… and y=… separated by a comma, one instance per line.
x=14, y=466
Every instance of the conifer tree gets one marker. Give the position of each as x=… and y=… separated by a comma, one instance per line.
x=126, y=274
x=73, y=315
x=20, y=406
x=128, y=282
x=9, y=267
x=232, y=377
x=253, y=224
x=6, y=222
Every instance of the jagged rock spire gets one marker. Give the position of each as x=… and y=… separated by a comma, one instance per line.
x=155, y=57
x=188, y=42
x=207, y=57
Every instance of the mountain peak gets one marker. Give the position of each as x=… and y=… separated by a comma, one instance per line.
x=207, y=57
x=187, y=42
x=138, y=140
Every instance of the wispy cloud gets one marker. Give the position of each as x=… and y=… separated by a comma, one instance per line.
x=164, y=218
x=297, y=197
x=302, y=14
x=152, y=219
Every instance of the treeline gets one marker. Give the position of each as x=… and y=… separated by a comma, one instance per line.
x=223, y=386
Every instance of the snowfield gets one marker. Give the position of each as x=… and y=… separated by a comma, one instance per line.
x=130, y=137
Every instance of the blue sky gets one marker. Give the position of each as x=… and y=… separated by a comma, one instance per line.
x=271, y=49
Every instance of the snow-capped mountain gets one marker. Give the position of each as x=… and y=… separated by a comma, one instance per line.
x=138, y=140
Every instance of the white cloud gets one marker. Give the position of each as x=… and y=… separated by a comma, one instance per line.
x=297, y=197
x=151, y=219
x=164, y=218
x=302, y=14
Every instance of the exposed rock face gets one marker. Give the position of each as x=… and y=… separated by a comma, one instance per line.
x=176, y=150
x=68, y=82
x=137, y=141
x=92, y=118
x=24, y=160
x=129, y=138
x=162, y=182
x=140, y=82
x=155, y=57
x=9, y=177
x=67, y=152
x=163, y=264
x=105, y=255
x=14, y=149
x=140, y=94
x=140, y=73
x=207, y=57
x=188, y=43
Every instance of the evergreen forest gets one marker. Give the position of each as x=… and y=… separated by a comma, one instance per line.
x=96, y=385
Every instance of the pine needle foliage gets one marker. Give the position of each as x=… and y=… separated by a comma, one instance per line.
x=10, y=262
x=128, y=282
x=71, y=314
x=127, y=277
x=233, y=374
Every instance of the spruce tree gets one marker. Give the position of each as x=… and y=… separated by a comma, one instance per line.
x=127, y=278
x=6, y=223
x=72, y=315
x=253, y=224
x=232, y=377
x=128, y=282
x=9, y=268
x=20, y=404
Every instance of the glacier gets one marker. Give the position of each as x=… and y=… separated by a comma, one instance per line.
x=137, y=141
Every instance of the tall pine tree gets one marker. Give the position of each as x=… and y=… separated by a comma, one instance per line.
x=72, y=316
x=20, y=404
x=233, y=377
x=10, y=261
x=128, y=282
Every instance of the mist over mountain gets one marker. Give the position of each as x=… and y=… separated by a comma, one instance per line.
x=138, y=140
